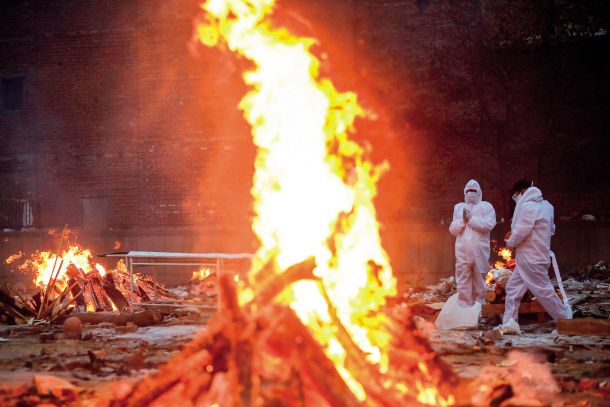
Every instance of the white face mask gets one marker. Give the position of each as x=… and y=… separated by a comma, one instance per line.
x=471, y=197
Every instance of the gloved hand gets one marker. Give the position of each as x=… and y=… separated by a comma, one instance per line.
x=466, y=215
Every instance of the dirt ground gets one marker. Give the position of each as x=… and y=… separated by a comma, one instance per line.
x=573, y=370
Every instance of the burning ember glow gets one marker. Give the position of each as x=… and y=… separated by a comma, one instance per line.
x=508, y=263
x=10, y=259
x=201, y=274
x=313, y=191
x=505, y=253
x=489, y=278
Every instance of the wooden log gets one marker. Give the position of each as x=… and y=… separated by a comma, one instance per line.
x=277, y=282
x=143, y=318
x=500, y=293
x=584, y=326
x=531, y=307
x=141, y=293
x=490, y=296
x=115, y=295
x=8, y=303
x=77, y=294
x=290, y=340
x=95, y=280
x=151, y=285
x=87, y=295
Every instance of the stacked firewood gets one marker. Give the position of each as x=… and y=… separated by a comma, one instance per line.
x=260, y=353
x=84, y=292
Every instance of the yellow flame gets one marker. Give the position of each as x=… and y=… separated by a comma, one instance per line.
x=11, y=259
x=489, y=277
x=201, y=274
x=313, y=187
x=43, y=263
x=505, y=253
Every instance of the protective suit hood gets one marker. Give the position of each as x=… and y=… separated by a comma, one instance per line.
x=473, y=184
x=532, y=194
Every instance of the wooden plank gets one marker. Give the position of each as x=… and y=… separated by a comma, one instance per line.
x=584, y=326
x=529, y=307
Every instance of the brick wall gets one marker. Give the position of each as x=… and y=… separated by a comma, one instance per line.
x=115, y=107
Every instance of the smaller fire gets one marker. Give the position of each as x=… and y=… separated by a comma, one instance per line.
x=505, y=253
x=43, y=263
x=11, y=259
x=70, y=279
x=508, y=264
x=201, y=274
x=489, y=278
x=116, y=245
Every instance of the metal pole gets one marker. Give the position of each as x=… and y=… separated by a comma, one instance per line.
x=130, y=265
x=154, y=279
x=218, y=269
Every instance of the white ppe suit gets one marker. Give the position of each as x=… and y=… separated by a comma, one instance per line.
x=472, y=244
x=531, y=231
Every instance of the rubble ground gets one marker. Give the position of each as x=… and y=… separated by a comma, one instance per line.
x=108, y=358
x=579, y=364
x=104, y=356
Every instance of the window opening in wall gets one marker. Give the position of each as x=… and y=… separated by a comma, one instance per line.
x=12, y=92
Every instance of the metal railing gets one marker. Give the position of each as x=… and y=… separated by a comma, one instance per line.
x=22, y=214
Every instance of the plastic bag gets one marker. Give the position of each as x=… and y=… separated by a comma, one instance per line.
x=454, y=316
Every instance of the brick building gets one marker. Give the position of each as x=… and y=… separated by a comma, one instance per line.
x=109, y=121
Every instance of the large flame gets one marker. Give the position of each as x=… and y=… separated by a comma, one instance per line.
x=313, y=188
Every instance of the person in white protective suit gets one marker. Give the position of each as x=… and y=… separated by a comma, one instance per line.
x=473, y=219
x=531, y=230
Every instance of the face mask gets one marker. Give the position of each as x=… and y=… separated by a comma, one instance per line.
x=471, y=197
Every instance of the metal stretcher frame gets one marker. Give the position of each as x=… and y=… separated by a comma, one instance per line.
x=141, y=258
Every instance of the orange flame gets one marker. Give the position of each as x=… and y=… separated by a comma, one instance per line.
x=201, y=274
x=505, y=253
x=313, y=188
x=507, y=256
x=41, y=264
x=489, y=277
x=11, y=259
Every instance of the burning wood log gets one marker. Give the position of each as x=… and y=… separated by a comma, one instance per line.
x=95, y=282
x=115, y=295
x=77, y=294
x=270, y=357
x=276, y=282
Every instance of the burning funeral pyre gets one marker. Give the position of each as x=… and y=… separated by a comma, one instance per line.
x=68, y=282
x=310, y=324
x=497, y=278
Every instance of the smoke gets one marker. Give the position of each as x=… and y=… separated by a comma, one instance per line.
x=523, y=377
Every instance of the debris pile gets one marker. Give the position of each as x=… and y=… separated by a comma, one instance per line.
x=599, y=271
